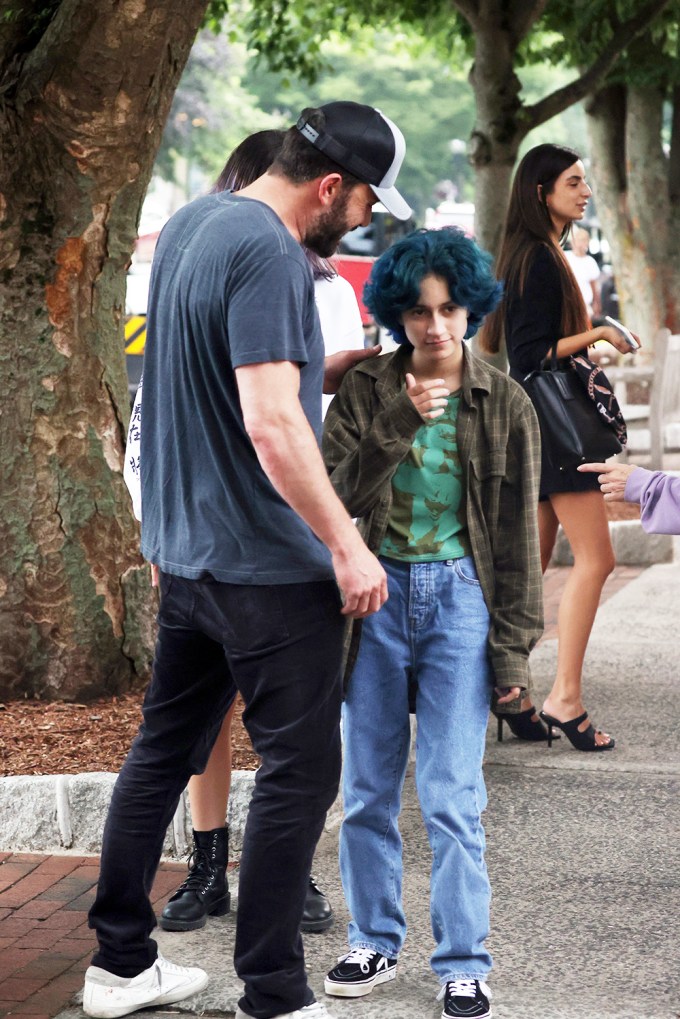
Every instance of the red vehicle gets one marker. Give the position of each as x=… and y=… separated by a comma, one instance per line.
x=356, y=270
x=359, y=249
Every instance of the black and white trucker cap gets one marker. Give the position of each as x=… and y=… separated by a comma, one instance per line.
x=365, y=142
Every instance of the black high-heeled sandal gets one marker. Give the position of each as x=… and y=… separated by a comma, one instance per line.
x=580, y=740
x=523, y=726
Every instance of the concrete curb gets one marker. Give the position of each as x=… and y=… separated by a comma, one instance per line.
x=66, y=813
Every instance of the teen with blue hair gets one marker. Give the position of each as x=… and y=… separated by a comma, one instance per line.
x=437, y=455
x=394, y=285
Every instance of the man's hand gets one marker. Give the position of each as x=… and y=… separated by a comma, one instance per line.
x=612, y=478
x=289, y=455
x=362, y=581
x=429, y=398
x=337, y=366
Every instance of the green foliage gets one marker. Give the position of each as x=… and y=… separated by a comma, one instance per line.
x=569, y=127
x=582, y=27
x=288, y=35
x=377, y=69
x=217, y=12
x=211, y=112
x=401, y=71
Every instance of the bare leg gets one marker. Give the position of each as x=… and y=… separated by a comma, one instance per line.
x=584, y=520
x=547, y=531
x=209, y=792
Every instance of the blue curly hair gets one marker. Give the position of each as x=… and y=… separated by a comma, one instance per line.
x=394, y=284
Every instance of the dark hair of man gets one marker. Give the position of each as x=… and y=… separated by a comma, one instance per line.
x=301, y=162
x=395, y=281
x=249, y=160
x=528, y=227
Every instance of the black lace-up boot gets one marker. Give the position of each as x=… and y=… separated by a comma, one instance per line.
x=318, y=914
x=205, y=892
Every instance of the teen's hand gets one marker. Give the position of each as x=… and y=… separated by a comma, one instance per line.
x=429, y=398
x=507, y=693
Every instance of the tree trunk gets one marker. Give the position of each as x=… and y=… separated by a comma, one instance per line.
x=496, y=138
x=85, y=89
x=498, y=133
x=502, y=120
x=632, y=183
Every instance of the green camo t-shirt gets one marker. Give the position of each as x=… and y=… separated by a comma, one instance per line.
x=427, y=522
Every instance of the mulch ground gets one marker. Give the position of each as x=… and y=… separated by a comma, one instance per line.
x=58, y=738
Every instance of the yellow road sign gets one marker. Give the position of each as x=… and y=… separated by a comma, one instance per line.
x=135, y=334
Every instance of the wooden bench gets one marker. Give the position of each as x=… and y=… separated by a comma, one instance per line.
x=653, y=428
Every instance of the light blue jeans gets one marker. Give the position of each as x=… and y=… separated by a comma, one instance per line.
x=434, y=627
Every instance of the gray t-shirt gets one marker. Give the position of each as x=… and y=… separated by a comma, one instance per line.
x=229, y=287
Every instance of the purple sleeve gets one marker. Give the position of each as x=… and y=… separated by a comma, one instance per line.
x=659, y=498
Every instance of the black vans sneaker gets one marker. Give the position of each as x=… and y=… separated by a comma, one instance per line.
x=465, y=999
x=358, y=972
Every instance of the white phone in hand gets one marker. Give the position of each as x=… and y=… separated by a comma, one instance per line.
x=626, y=333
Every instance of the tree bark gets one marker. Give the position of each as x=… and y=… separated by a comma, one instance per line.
x=85, y=87
x=497, y=134
x=502, y=121
x=633, y=180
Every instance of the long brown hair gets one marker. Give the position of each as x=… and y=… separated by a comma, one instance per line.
x=528, y=226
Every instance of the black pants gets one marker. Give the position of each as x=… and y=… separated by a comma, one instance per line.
x=281, y=647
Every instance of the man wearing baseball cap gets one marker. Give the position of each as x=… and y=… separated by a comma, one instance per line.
x=363, y=141
x=260, y=564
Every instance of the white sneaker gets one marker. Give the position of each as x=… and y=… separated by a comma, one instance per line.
x=314, y=1011
x=107, y=996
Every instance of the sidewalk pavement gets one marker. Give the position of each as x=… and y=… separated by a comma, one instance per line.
x=583, y=854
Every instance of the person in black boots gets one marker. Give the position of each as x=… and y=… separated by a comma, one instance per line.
x=205, y=892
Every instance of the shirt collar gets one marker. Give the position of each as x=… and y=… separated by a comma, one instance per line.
x=390, y=368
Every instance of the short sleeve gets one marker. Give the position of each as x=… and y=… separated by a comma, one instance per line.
x=270, y=312
x=593, y=269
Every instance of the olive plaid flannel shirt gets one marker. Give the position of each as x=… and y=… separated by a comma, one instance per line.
x=368, y=431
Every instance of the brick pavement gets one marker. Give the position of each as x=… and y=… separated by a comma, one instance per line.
x=553, y=585
x=45, y=943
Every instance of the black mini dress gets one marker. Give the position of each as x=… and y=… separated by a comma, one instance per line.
x=532, y=325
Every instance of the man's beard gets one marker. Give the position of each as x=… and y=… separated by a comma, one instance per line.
x=326, y=233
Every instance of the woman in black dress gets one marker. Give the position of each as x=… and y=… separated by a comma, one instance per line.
x=543, y=306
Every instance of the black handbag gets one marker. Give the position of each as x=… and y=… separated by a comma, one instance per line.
x=572, y=430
